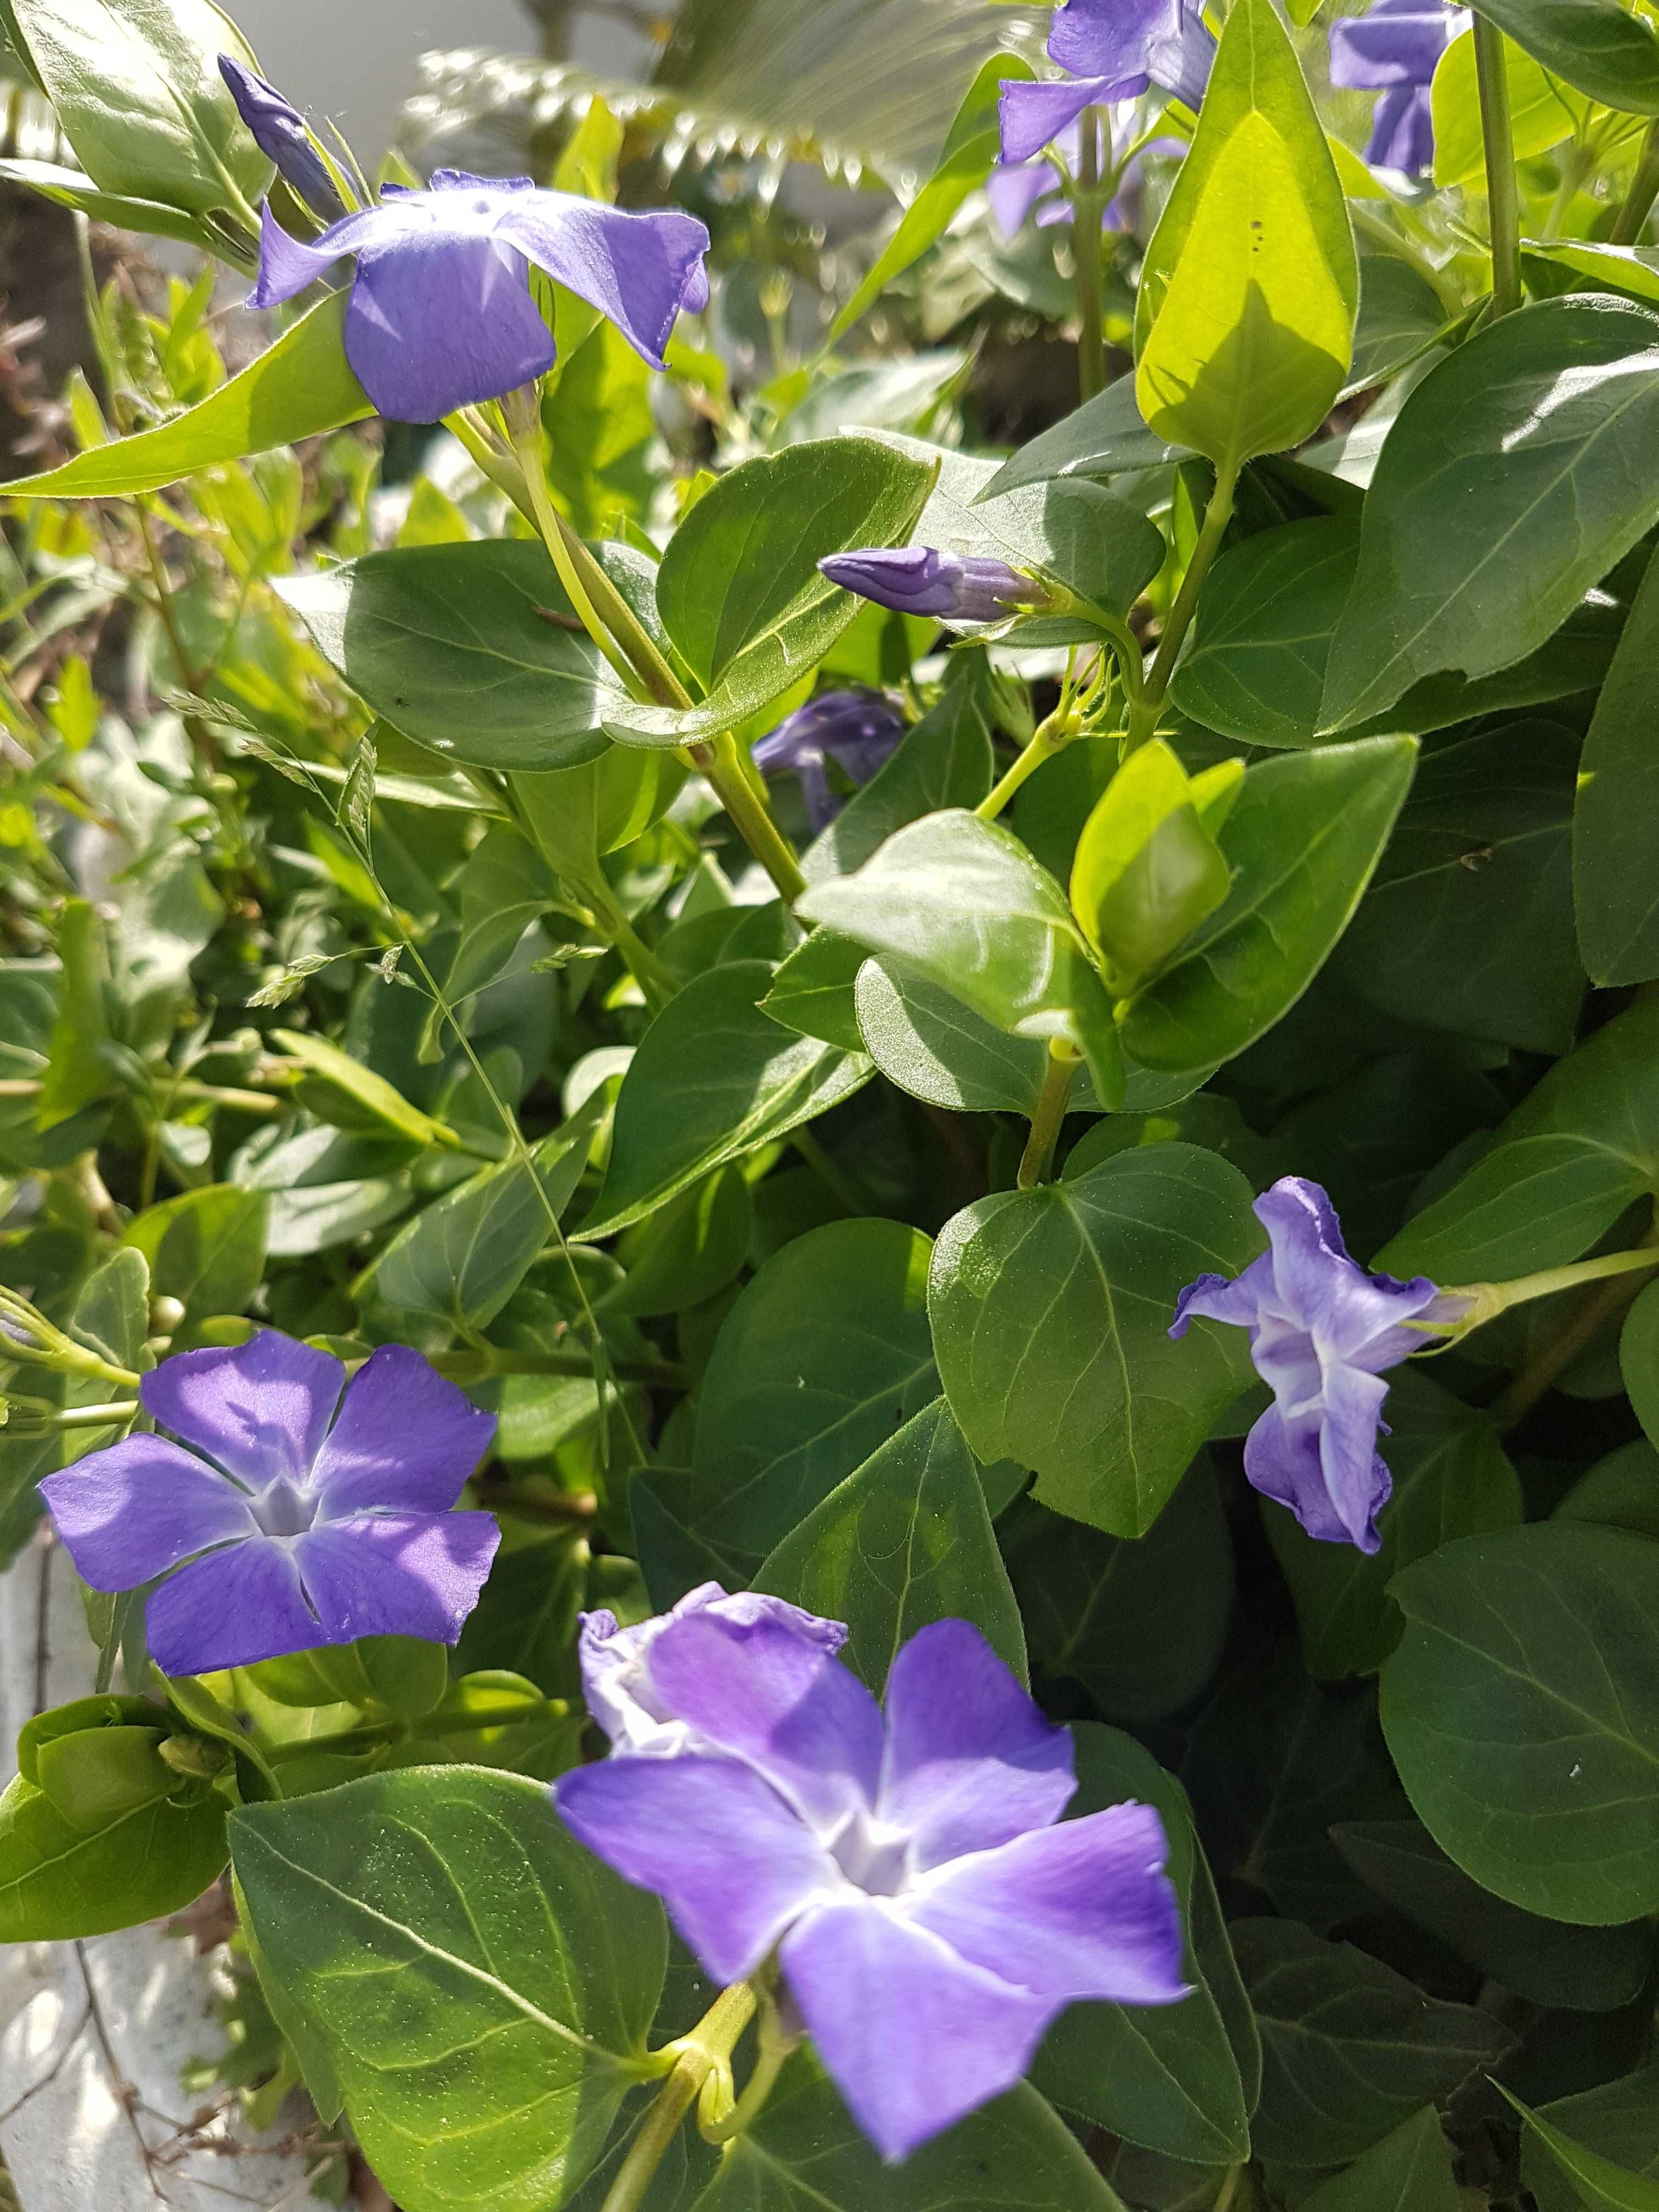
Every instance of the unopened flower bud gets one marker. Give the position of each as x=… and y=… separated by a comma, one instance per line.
x=282, y=135
x=919, y=579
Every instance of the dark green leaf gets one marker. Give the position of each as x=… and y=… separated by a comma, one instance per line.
x=1400, y=314
x=933, y=1045
x=671, y=1559
x=1638, y=1358
x=1409, y=2171
x=1600, y=2185
x=1620, y=2120
x=1104, y=437
x=1619, y=1492
x=690, y=1250
x=1592, y=44
x=812, y=992
x=1615, y=848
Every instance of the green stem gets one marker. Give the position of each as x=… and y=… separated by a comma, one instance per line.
x=98, y=1417
x=642, y=962
x=1383, y=233
x=775, y=2044
x=1644, y=190
x=1144, y=712
x=724, y=772
x=1048, y=1117
x=1228, y=2190
x=1594, y=1311
x=1503, y=199
x=709, y=2044
x=1087, y=207
x=373, y=1733
x=1051, y=736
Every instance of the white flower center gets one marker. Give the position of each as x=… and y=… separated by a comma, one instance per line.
x=284, y=1509
x=874, y=1857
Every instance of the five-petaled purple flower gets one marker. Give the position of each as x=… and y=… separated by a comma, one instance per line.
x=1321, y=1332
x=919, y=579
x=860, y=731
x=1113, y=50
x=1395, y=49
x=930, y=1911
x=441, y=313
x=281, y=134
x=275, y=1530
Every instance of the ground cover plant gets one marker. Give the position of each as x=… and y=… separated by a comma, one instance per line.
x=827, y=1186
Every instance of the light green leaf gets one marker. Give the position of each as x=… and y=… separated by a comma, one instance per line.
x=1523, y=1712
x=1619, y=2120
x=298, y=388
x=1543, y=112
x=1104, y=437
x=71, y=188
x=1601, y=2186
x=372, y=1092
x=933, y=1045
x=904, y=1541
x=1594, y=43
x=206, y=1248
x=1147, y=869
x=1051, y=1310
x=79, y=1071
x=1244, y=320
x=1615, y=841
x=1631, y=269
x=484, y=2057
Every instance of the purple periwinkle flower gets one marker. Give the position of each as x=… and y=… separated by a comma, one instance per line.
x=1015, y=188
x=280, y=132
x=931, y=1912
x=1395, y=49
x=278, y=1524
x=440, y=315
x=1322, y=1332
x=860, y=731
x=1129, y=45
x=919, y=579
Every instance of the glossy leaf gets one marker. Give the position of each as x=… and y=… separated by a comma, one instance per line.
x=1051, y=1310
x=124, y=1861
x=1592, y=44
x=1543, y=111
x=1104, y=437
x=487, y=2055
x=1615, y=848
x=1147, y=869
x=1523, y=1712
x=933, y=1045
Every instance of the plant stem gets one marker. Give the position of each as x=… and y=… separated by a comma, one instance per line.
x=1050, y=736
x=1228, y=2190
x=1595, y=1310
x=98, y=1417
x=719, y=764
x=1644, y=190
x=1087, y=212
x=1144, y=712
x=775, y=2047
x=1503, y=200
x=1046, y=1120
x=710, y=2044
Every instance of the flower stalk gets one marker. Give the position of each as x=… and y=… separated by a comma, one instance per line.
x=1088, y=208
x=1503, y=199
x=695, y=2057
x=1049, y=1116
x=1644, y=190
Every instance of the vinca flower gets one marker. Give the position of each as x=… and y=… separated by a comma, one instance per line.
x=931, y=1912
x=1395, y=49
x=280, y=132
x=278, y=1523
x=1322, y=1332
x=441, y=313
x=1112, y=50
x=1015, y=188
x=918, y=579
x=858, y=730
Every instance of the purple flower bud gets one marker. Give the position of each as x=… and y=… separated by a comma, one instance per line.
x=911, y=1870
x=276, y=1523
x=1321, y=1332
x=918, y=579
x=860, y=731
x=279, y=133
x=1395, y=49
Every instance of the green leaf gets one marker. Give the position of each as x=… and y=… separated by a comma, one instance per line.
x=825, y=1354
x=1614, y=2121
x=690, y=1250
x=805, y=2154
x=601, y=433
x=372, y=1093
x=578, y=815
x=137, y=88
x=71, y=188
x=1163, y=2076
x=1303, y=841
x=1593, y=44
x=455, y=645
x=1147, y=869
x=1619, y=1492
x=714, y=1079
x=1104, y=437
x=527, y=1619
x=1523, y=1712
x=904, y=1541
x=1409, y=2171
x=1244, y=319
x=1350, y=2049
x=1580, y=1148
x=1632, y=270
x=78, y=1070
x=1615, y=846
x=1262, y=640
x=206, y=1248
x=484, y=2056
x=1601, y=2186
x=1451, y=1478
x=461, y=1259
x=813, y=991
x=1549, y=1961
x=933, y=1045
x=1518, y=473
x=1400, y=316
x=1542, y=111
x=1051, y=1312
x=1639, y=1359
x=298, y=388
x=971, y=146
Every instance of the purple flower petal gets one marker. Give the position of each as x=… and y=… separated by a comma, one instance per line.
x=1216, y=1297
x=769, y=1694
x=441, y=318
x=1319, y=1286
x=404, y=1436
x=1284, y=1460
x=396, y=1574
x=1082, y=1910
x=911, y=2034
x=279, y=133
x=919, y=579
x=639, y=270
x=970, y=1761
x=128, y=1514
x=1399, y=42
x=728, y=1857
x=1402, y=131
x=1357, y=1477
x=287, y=265
x=231, y=1609
x=1032, y=116
x=1125, y=40
x=260, y=1409
x=1014, y=189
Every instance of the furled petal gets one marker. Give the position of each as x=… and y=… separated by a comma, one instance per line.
x=1214, y=1298
x=970, y=1761
x=279, y=131
x=287, y=265
x=1357, y=1477
x=911, y=2034
x=441, y=317
x=1402, y=131
x=396, y=1574
x=639, y=270
x=260, y=1409
x=1082, y=1910
x=1398, y=42
x=1013, y=190
x=231, y=1609
x=404, y=1436
x=128, y=1514
x=1318, y=1285
x=770, y=1695
x=920, y=579
x=729, y=1859
x=1283, y=1460
x=616, y=1665
x=1032, y=116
